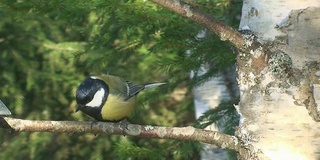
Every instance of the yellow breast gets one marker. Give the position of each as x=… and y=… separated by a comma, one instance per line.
x=116, y=109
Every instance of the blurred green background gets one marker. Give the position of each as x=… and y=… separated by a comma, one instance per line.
x=48, y=47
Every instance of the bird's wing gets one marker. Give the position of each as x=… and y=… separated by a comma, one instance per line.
x=126, y=89
x=134, y=89
x=117, y=86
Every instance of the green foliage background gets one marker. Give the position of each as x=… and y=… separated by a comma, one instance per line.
x=48, y=47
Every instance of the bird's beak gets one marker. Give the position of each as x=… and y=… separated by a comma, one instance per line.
x=79, y=106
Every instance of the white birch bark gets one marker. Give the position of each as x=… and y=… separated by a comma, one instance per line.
x=280, y=91
x=208, y=96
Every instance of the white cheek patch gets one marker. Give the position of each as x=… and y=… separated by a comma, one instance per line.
x=97, y=98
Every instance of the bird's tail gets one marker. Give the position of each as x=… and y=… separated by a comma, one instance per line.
x=152, y=85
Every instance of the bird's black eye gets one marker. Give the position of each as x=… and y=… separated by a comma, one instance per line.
x=83, y=97
x=88, y=88
x=85, y=91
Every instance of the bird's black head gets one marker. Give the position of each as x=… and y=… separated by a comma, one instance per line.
x=91, y=95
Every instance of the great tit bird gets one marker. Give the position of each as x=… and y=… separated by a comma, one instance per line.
x=108, y=98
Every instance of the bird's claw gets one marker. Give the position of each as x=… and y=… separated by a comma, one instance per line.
x=124, y=125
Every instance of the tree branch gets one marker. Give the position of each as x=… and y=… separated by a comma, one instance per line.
x=225, y=32
x=180, y=133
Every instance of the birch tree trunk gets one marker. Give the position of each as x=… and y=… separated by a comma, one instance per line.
x=209, y=95
x=279, y=84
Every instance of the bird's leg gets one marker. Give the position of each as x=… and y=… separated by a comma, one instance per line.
x=124, y=124
x=93, y=122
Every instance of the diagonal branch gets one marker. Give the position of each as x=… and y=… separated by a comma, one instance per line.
x=179, y=133
x=225, y=32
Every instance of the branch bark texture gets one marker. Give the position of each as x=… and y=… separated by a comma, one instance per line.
x=225, y=32
x=178, y=133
